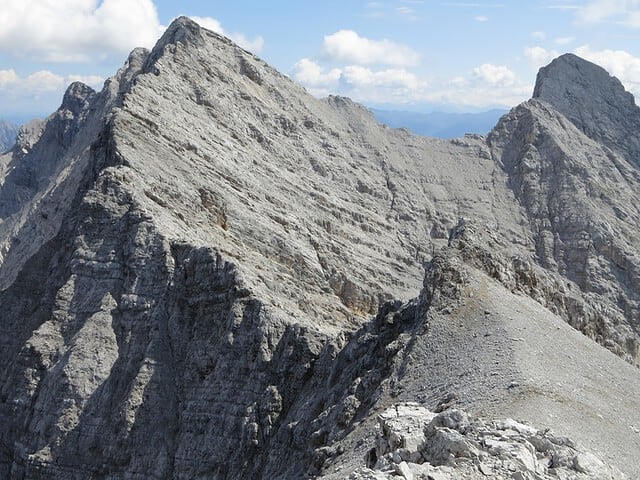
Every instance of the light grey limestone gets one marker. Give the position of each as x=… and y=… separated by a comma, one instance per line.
x=415, y=443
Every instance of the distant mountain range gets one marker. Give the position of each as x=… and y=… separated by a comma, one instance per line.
x=433, y=124
x=8, y=132
x=440, y=124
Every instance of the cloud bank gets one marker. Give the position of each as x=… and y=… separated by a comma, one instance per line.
x=213, y=24
x=76, y=30
x=387, y=72
x=348, y=46
x=627, y=12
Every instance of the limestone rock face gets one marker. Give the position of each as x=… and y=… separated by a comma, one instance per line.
x=207, y=273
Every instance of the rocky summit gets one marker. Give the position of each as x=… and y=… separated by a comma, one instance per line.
x=205, y=272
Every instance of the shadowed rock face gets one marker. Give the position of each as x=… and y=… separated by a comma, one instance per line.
x=207, y=273
x=8, y=132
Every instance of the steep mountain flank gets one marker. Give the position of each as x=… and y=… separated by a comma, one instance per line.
x=476, y=345
x=581, y=198
x=208, y=273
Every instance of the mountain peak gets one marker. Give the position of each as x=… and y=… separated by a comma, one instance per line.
x=77, y=97
x=572, y=77
x=593, y=100
x=182, y=29
x=188, y=32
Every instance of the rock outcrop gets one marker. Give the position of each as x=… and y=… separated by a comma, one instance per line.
x=579, y=197
x=413, y=442
x=207, y=273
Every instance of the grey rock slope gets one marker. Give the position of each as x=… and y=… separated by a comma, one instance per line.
x=8, y=133
x=499, y=354
x=207, y=273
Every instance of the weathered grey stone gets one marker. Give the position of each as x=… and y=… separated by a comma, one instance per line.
x=473, y=449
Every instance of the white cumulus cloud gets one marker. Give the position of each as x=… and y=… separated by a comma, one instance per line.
x=42, y=81
x=619, y=63
x=313, y=76
x=495, y=74
x=361, y=83
x=484, y=87
x=8, y=78
x=360, y=76
x=348, y=46
x=354, y=66
x=539, y=56
x=241, y=39
x=76, y=30
x=35, y=83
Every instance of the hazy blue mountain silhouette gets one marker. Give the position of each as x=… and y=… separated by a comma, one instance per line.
x=440, y=124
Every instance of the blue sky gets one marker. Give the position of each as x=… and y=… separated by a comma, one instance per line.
x=420, y=55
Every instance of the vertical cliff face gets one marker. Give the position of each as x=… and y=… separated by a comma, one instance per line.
x=207, y=273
